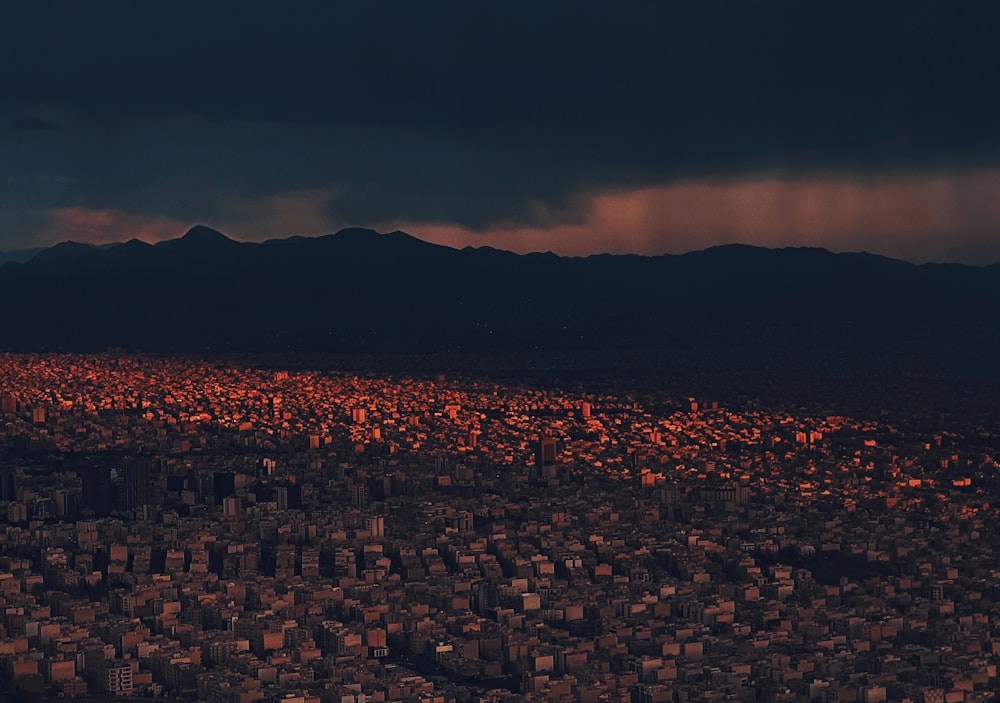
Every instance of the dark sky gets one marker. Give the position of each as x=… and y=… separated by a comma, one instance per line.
x=575, y=127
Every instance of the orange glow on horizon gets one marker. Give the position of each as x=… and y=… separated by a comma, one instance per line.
x=919, y=217
x=104, y=226
x=893, y=216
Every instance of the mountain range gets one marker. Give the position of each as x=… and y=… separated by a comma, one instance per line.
x=359, y=290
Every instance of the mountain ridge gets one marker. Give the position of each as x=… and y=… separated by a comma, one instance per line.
x=359, y=290
x=202, y=234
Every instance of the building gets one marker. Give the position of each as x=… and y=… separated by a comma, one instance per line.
x=98, y=490
x=8, y=483
x=223, y=485
x=135, y=486
x=118, y=677
x=547, y=450
x=288, y=496
x=359, y=494
x=232, y=506
x=376, y=526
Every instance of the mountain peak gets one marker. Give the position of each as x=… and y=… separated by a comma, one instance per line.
x=135, y=244
x=393, y=243
x=67, y=250
x=202, y=234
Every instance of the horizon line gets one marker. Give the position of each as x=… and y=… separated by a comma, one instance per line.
x=487, y=246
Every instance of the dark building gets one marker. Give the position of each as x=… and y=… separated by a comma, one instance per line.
x=288, y=496
x=98, y=491
x=135, y=488
x=487, y=597
x=8, y=404
x=41, y=508
x=223, y=485
x=177, y=483
x=68, y=503
x=359, y=493
x=8, y=483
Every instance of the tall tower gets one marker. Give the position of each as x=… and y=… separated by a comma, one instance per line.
x=546, y=451
x=8, y=483
x=97, y=489
x=359, y=493
x=376, y=525
x=223, y=485
x=135, y=485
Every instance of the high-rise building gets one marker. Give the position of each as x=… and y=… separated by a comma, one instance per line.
x=223, y=485
x=266, y=467
x=284, y=562
x=359, y=494
x=8, y=483
x=376, y=526
x=67, y=503
x=97, y=489
x=288, y=496
x=461, y=521
x=134, y=488
x=232, y=506
x=547, y=449
x=309, y=563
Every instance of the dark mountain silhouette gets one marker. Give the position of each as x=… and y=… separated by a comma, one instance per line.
x=358, y=290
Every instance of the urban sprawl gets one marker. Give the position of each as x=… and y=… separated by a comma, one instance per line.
x=222, y=532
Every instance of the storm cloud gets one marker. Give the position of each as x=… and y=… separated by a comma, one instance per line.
x=501, y=117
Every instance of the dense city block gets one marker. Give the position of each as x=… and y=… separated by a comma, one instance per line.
x=240, y=532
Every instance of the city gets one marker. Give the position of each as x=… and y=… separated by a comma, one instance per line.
x=513, y=352
x=232, y=532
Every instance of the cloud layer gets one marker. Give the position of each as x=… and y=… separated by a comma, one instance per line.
x=572, y=126
x=930, y=217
